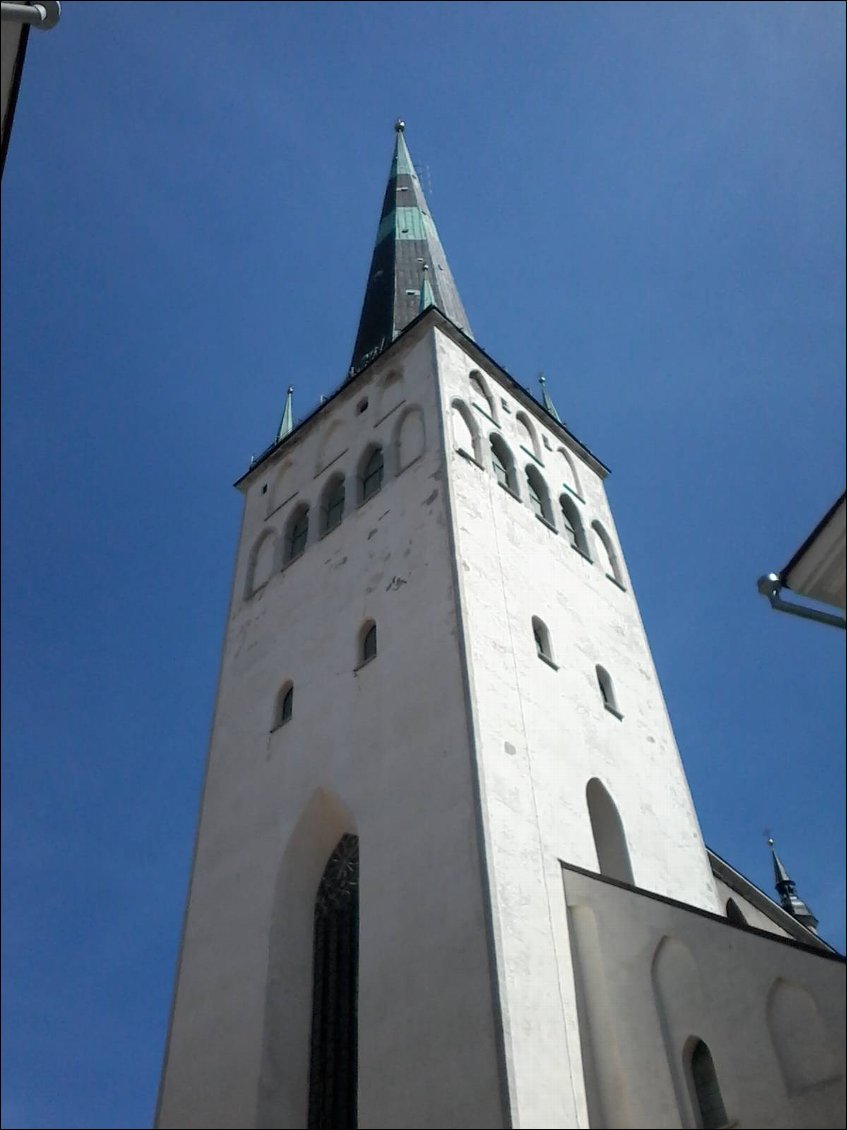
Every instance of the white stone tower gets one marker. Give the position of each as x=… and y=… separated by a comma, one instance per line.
x=437, y=699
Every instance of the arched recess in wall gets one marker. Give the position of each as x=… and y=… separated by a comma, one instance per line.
x=479, y=388
x=681, y=1008
x=609, y=838
x=391, y=392
x=799, y=1037
x=280, y=486
x=409, y=437
x=261, y=563
x=527, y=434
x=606, y=555
x=331, y=445
x=283, y=1098
x=465, y=430
x=567, y=468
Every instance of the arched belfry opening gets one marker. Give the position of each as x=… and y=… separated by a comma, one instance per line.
x=335, y=966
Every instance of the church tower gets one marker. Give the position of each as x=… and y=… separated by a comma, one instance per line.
x=445, y=829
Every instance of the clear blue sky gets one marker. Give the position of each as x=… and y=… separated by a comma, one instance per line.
x=645, y=201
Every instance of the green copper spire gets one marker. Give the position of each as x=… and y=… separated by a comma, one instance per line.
x=286, y=424
x=546, y=399
x=409, y=269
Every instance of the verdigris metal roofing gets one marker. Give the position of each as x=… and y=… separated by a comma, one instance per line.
x=409, y=270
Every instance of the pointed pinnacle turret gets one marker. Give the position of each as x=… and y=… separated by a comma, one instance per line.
x=427, y=297
x=546, y=399
x=399, y=287
x=286, y=424
x=787, y=890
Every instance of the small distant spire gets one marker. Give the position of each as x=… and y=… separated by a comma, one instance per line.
x=427, y=298
x=546, y=399
x=787, y=890
x=286, y=424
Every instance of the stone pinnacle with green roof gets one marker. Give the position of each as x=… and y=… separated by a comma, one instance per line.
x=409, y=270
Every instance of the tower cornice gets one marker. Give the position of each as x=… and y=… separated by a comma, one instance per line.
x=432, y=317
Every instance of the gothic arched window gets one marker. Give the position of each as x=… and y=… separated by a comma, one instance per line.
x=573, y=526
x=332, y=508
x=539, y=496
x=707, y=1092
x=297, y=533
x=370, y=474
x=333, y=1067
x=504, y=465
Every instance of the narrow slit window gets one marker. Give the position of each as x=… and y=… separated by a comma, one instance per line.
x=541, y=635
x=368, y=649
x=285, y=705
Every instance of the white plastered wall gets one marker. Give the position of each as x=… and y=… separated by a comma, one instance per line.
x=653, y=977
x=542, y=734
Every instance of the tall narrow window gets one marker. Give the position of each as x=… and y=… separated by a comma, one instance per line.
x=503, y=464
x=332, y=510
x=707, y=1092
x=333, y=1068
x=573, y=525
x=539, y=497
x=367, y=649
x=370, y=477
x=297, y=533
x=609, y=839
x=607, y=691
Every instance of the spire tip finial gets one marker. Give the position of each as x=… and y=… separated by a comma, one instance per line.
x=399, y=125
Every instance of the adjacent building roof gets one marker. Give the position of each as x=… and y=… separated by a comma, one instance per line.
x=817, y=569
x=409, y=270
